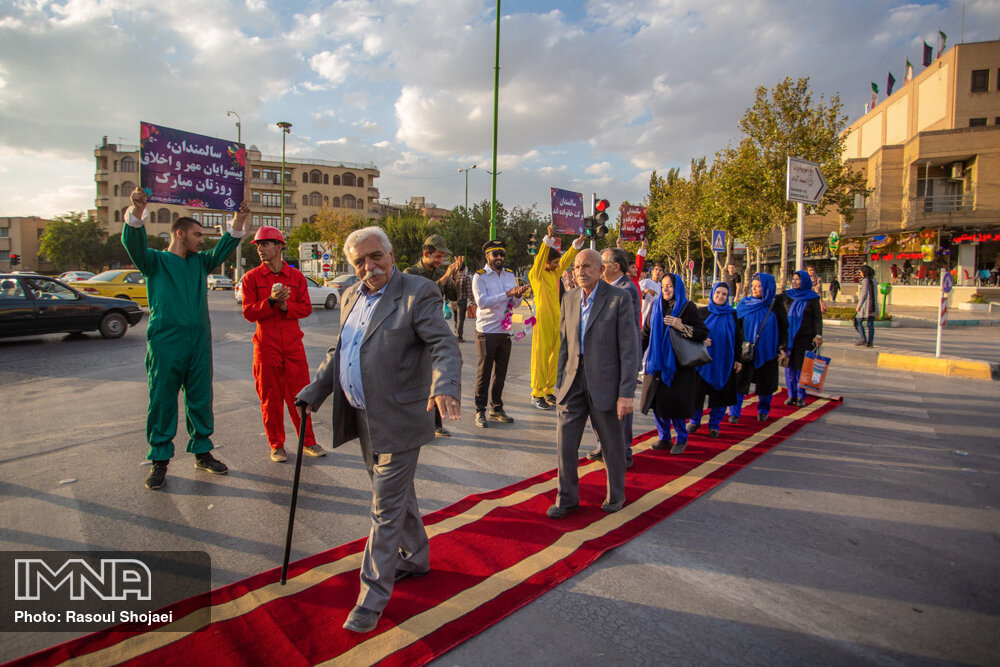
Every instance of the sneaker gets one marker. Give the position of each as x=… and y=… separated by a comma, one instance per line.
x=498, y=415
x=661, y=445
x=540, y=403
x=481, y=419
x=734, y=420
x=551, y=399
x=595, y=454
x=693, y=428
x=859, y=343
x=801, y=402
x=790, y=401
x=209, y=463
x=157, y=475
x=314, y=450
x=278, y=455
x=713, y=433
x=442, y=432
x=679, y=447
x=761, y=418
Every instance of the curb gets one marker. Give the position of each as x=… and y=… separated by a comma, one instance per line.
x=913, y=362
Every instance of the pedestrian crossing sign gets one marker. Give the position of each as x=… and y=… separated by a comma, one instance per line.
x=718, y=240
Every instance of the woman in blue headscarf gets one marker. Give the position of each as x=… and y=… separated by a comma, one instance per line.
x=805, y=331
x=717, y=379
x=667, y=387
x=767, y=325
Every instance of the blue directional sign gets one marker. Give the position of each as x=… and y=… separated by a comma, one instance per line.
x=718, y=240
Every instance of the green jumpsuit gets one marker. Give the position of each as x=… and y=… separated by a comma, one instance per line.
x=178, y=340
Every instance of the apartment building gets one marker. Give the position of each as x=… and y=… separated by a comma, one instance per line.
x=22, y=236
x=930, y=154
x=309, y=185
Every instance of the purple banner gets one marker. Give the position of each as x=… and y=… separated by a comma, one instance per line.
x=567, y=211
x=633, y=223
x=187, y=169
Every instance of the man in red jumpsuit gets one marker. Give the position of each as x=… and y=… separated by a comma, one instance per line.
x=276, y=297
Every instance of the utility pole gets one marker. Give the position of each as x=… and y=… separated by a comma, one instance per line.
x=239, y=249
x=496, y=109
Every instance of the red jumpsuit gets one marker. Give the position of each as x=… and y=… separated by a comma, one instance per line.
x=280, y=369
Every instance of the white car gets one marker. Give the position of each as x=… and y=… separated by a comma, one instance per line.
x=318, y=295
x=219, y=281
x=75, y=276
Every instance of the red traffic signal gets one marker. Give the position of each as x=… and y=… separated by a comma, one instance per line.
x=602, y=205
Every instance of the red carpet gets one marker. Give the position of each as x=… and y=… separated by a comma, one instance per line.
x=491, y=554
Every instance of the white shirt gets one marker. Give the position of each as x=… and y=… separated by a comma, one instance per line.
x=648, y=300
x=489, y=289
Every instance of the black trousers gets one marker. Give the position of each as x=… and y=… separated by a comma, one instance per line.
x=494, y=356
x=460, y=311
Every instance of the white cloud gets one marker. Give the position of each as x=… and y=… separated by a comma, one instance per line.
x=598, y=168
x=331, y=66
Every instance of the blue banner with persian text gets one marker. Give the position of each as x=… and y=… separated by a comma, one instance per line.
x=567, y=211
x=187, y=169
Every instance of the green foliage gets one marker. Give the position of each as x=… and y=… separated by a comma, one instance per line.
x=73, y=241
x=407, y=232
x=307, y=232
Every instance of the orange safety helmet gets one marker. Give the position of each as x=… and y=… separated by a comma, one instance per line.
x=268, y=233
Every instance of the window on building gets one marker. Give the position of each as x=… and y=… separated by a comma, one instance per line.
x=305, y=200
x=361, y=182
x=326, y=179
x=127, y=188
x=316, y=176
x=163, y=216
x=305, y=176
x=116, y=165
x=5, y=232
x=271, y=199
x=977, y=122
x=996, y=121
x=256, y=221
x=305, y=220
x=336, y=179
x=256, y=172
x=315, y=199
x=128, y=164
x=980, y=80
x=348, y=201
x=336, y=202
x=348, y=180
x=116, y=190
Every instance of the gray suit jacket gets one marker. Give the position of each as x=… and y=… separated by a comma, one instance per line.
x=408, y=354
x=625, y=283
x=611, y=350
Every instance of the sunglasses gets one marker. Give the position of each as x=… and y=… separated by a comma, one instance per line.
x=498, y=253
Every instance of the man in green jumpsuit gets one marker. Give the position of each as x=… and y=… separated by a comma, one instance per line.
x=179, y=335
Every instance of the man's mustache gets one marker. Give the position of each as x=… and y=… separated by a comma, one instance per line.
x=376, y=272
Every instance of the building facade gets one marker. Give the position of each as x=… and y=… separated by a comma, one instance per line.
x=309, y=186
x=22, y=236
x=930, y=154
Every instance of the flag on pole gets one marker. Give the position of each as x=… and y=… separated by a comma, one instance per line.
x=874, y=94
x=928, y=54
x=889, y=83
x=908, y=72
x=942, y=38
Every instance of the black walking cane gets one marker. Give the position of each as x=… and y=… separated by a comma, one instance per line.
x=303, y=416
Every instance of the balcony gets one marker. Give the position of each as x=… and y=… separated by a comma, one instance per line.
x=102, y=201
x=948, y=203
x=941, y=210
x=267, y=180
x=101, y=175
x=373, y=192
x=272, y=206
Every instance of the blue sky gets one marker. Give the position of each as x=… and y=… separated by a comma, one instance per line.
x=594, y=95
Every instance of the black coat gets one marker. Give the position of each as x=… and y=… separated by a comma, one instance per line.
x=812, y=326
x=765, y=378
x=719, y=398
x=676, y=400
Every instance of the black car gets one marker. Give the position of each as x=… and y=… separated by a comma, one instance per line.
x=34, y=304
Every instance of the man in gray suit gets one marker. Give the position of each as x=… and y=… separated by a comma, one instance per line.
x=598, y=363
x=395, y=361
x=616, y=267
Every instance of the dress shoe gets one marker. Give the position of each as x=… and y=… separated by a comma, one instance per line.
x=551, y=399
x=362, y=620
x=279, y=455
x=713, y=433
x=859, y=343
x=629, y=462
x=595, y=454
x=761, y=418
x=801, y=402
x=611, y=508
x=556, y=512
x=693, y=428
x=661, y=444
x=481, y=419
x=540, y=403
x=679, y=447
x=406, y=574
x=734, y=420
x=498, y=415
x=790, y=401
x=442, y=432
x=461, y=340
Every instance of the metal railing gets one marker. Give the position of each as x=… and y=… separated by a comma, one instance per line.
x=267, y=180
x=948, y=203
x=289, y=206
x=321, y=163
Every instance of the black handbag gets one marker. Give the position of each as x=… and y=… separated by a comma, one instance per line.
x=748, y=349
x=688, y=352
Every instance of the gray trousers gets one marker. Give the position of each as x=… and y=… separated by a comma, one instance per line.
x=397, y=540
x=571, y=419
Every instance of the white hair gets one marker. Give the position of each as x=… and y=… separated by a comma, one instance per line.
x=359, y=236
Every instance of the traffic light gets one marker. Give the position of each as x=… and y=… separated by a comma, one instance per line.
x=315, y=251
x=532, y=246
x=596, y=226
x=15, y=259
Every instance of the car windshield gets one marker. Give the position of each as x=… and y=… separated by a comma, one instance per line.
x=340, y=280
x=312, y=283
x=107, y=276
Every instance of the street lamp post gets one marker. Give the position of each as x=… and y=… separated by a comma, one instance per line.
x=466, y=170
x=239, y=249
x=285, y=129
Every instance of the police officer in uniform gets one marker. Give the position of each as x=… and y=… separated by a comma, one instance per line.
x=497, y=294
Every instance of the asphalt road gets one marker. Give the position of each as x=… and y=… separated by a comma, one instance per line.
x=871, y=536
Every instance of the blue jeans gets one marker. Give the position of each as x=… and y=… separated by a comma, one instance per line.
x=663, y=428
x=859, y=326
x=763, y=405
x=792, y=383
x=715, y=416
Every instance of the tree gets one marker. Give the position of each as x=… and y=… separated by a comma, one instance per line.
x=73, y=241
x=307, y=232
x=334, y=226
x=786, y=121
x=407, y=232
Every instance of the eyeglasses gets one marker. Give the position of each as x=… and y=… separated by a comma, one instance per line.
x=498, y=253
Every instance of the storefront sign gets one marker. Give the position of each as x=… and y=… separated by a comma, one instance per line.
x=816, y=250
x=849, y=267
x=927, y=253
x=879, y=242
x=975, y=238
x=892, y=256
x=852, y=246
x=834, y=242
